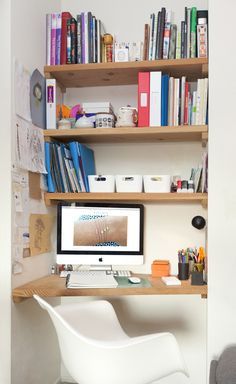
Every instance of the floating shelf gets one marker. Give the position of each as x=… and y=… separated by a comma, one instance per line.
x=131, y=135
x=124, y=73
x=201, y=198
x=54, y=286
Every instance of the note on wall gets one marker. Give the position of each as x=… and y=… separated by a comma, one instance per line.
x=22, y=91
x=29, y=146
x=40, y=233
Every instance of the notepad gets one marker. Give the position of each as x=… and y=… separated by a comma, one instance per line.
x=171, y=280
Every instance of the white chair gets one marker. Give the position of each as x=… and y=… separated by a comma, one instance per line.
x=96, y=350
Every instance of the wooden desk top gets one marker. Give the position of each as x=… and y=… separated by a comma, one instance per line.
x=54, y=286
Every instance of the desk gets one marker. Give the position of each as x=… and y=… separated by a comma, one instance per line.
x=54, y=286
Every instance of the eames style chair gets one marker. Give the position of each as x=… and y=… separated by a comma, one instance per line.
x=95, y=349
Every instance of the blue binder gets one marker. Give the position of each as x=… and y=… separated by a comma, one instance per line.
x=164, y=99
x=48, y=163
x=83, y=159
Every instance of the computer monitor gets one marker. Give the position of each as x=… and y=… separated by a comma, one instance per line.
x=100, y=234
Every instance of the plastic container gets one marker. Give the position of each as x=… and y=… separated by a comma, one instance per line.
x=101, y=183
x=129, y=183
x=157, y=183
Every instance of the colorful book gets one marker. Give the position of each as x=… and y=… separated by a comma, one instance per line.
x=73, y=40
x=48, y=166
x=193, y=30
x=53, y=38
x=143, y=99
x=166, y=40
x=64, y=17
x=58, y=39
x=68, y=41
x=51, y=104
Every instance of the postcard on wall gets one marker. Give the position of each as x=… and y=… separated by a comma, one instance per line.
x=22, y=91
x=40, y=233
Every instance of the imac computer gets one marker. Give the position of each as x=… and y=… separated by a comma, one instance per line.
x=100, y=234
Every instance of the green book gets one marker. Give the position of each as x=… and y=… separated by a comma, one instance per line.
x=193, y=31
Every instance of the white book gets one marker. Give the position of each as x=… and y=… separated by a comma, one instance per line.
x=48, y=38
x=198, y=99
x=178, y=44
x=155, y=99
x=171, y=101
x=183, y=81
x=151, y=37
x=86, y=58
x=51, y=122
x=171, y=280
x=176, y=102
x=154, y=38
x=193, y=120
x=205, y=97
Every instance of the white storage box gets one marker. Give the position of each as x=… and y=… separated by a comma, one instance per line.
x=157, y=183
x=101, y=183
x=129, y=183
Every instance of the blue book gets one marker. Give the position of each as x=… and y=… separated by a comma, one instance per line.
x=83, y=159
x=164, y=99
x=48, y=164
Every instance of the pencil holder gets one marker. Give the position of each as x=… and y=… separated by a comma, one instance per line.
x=197, y=278
x=183, y=271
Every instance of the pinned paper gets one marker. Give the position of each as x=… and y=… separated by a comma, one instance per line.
x=40, y=233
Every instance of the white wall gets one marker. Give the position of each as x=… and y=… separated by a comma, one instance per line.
x=35, y=355
x=222, y=197
x=167, y=226
x=5, y=195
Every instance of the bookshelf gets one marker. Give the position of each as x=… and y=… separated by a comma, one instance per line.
x=126, y=73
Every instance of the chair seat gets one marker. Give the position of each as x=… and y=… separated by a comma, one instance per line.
x=96, y=350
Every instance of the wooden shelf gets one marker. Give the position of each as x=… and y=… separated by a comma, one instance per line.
x=54, y=286
x=126, y=73
x=130, y=134
x=201, y=198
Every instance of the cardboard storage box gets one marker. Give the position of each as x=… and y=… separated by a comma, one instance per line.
x=101, y=183
x=160, y=268
x=129, y=183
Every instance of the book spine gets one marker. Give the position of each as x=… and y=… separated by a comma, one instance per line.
x=64, y=17
x=178, y=45
x=202, y=40
x=158, y=34
x=86, y=38
x=95, y=53
x=193, y=42
x=143, y=98
x=79, y=47
x=51, y=103
x=68, y=42
x=188, y=23
x=166, y=40
x=58, y=38
x=172, y=48
x=183, y=90
x=146, y=42
x=155, y=99
x=53, y=39
x=186, y=98
x=170, y=101
x=50, y=184
x=73, y=33
x=182, y=38
x=152, y=19
x=154, y=38
x=48, y=38
x=83, y=37
x=162, y=28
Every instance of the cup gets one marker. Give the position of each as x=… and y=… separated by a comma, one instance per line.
x=183, y=271
x=197, y=278
x=198, y=267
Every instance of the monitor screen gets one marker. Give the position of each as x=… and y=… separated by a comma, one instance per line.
x=96, y=234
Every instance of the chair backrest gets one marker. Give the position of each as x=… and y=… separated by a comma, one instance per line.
x=96, y=350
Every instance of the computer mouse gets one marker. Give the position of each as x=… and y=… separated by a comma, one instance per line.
x=134, y=280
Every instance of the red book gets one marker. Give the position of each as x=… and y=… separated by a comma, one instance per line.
x=143, y=99
x=64, y=17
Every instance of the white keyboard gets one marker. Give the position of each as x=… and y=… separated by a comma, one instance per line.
x=121, y=273
x=90, y=279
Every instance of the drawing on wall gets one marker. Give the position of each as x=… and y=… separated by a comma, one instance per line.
x=29, y=147
x=40, y=233
x=93, y=230
x=22, y=91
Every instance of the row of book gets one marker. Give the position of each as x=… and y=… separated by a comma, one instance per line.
x=164, y=40
x=68, y=166
x=169, y=101
x=71, y=40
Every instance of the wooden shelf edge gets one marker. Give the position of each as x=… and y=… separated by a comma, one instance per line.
x=54, y=286
x=131, y=134
x=51, y=198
